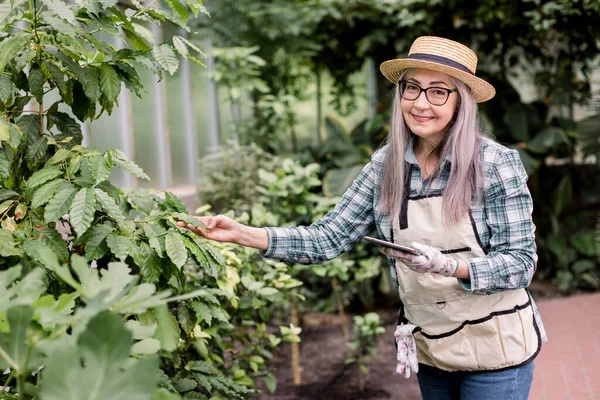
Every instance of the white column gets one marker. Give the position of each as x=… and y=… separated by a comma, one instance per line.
x=189, y=120
x=161, y=130
x=213, y=101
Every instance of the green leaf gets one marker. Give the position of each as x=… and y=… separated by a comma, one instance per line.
x=109, y=205
x=186, y=318
x=19, y=318
x=136, y=39
x=99, y=168
x=37, y=148
x=271, y=382
x=586, y=243
x=61, y=9
x=146, y=347
x=562, y=195
x=166, y=57
x=36, y=82
x=99, y=366
x=60, y=204
x=4, y=166
x=82, y=210
x=175, y=203
x=9, y=48
x=150, y=263
x=60, y=156
x=42, y=195
x=176, y=249
x=179, y=8
x=121, y=246
x=7, y=89
x=168, y=329
x=110, y=85
x=120, y=159
x=59, y=24
x=180, y=47
x=188, y=219
x=203, y=312
x=44, y=175
x=94, y=240
x=53, y=239
x=68, y=127
x=8, y=194
x=8, y=246
x=43, y=254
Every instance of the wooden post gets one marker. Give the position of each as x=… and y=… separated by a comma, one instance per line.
x=338, y=299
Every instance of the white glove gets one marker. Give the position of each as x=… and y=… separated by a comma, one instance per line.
x=407, y=350
x=432, y=260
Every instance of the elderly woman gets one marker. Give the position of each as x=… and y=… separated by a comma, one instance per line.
x=469, y=328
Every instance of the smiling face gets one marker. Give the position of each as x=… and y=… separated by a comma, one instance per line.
x=425, y=120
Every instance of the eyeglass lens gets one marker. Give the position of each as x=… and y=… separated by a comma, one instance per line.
x=411, y=91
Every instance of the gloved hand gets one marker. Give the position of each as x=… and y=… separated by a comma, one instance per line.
x=407, y=350
x=432, y=260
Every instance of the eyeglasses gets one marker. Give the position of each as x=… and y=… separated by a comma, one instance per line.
x=437, y=96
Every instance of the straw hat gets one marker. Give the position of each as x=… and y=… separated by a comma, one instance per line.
x=442, y=55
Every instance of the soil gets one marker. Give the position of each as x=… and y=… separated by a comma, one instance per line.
x=325, y=375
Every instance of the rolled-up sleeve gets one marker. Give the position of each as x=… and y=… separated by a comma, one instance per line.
x=511, y=260
x=337, y=232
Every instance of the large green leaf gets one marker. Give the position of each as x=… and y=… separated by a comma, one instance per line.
x=121, y=246
x=99, y=168
x=120, y=159
x=7, y=89
x=95, y=243
x=110, y=86
x=36, y=82
x=82, y=210
x=10, y=47
x=60, y=8
x=43, y=254
x=60, y=203
x=44, y=175
x=517, y=123
x=43, y=195
x=59, y=24
x=337, y=181
x=168, y=328
x=70, y=129
x=19, y=318
x=53, y=239
x=8, y=245
x=562, y=196
x=99, y=367
x=166, y=57
x=176, y=249
x=109, y=205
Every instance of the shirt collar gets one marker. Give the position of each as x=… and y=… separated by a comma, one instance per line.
x=410, y=156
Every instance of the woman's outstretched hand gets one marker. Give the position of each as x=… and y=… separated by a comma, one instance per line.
x=225, y=229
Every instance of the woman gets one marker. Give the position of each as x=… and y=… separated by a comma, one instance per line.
x=462, y=201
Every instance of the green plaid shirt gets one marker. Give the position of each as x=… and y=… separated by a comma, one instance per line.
x=503, y=221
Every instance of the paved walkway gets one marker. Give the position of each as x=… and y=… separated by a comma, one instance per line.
x=568, y=366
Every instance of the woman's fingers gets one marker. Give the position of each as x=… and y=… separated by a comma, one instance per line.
x=396, y=254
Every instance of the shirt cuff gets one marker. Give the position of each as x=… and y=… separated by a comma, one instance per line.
x=268, y=253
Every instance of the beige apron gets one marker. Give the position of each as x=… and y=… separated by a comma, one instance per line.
x=460, y=331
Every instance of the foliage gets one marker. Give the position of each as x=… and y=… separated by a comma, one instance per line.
x=364, y=345
x=101, y=292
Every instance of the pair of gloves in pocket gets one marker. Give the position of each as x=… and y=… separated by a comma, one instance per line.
x=431, y=261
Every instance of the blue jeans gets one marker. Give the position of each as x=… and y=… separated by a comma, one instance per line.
x=510, y=384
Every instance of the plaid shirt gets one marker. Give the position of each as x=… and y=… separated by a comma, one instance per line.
x=503, y=221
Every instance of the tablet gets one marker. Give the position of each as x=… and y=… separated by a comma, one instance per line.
x=391, y=245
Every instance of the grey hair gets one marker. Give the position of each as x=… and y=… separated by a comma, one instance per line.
x=461, y=143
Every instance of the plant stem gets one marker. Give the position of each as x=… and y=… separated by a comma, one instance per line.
x=295, y=347
x=13, y=365
x=41, y=113
x=340, y=306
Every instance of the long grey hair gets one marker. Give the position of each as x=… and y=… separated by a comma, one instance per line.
x=462, y=143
